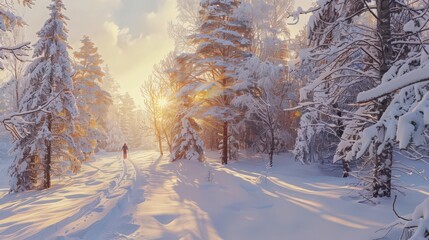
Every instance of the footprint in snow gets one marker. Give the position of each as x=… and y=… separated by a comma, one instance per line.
x=49, y=201
x=165, y=219
x=76, y=196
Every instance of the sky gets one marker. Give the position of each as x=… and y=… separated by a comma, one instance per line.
x=131, y=35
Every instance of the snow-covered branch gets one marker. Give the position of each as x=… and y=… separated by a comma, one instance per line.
x=16, y=124
x=408, y=79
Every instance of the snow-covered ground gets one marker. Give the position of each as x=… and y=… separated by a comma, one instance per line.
x=146, y=197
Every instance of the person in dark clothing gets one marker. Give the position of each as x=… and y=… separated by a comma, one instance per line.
x=125, y=150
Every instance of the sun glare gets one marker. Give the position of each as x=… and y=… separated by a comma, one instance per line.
x=162, y=102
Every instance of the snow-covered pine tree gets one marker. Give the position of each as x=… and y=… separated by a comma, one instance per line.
x=92, y=101
x=187, y=143
x=49, y=140
x=222, y=42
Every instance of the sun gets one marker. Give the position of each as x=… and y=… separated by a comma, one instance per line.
x=162, y=102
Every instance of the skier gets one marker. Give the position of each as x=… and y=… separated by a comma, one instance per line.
x=125, y=150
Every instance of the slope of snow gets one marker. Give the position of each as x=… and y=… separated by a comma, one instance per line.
x=146, y=197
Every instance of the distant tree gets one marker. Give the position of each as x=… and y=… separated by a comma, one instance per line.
x=15, y=64
x=129, y=128
x=155, y=98
x=186, y=24
x=271, y=43
x=10, y=23
x=168, y=87
x=115, y=138
x=13, y=51
x=92, y=101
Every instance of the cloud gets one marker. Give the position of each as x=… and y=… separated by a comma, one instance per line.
x=131, y=35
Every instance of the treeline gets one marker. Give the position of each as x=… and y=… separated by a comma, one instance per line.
x=226, y=85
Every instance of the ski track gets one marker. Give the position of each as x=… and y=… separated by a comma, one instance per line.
x=113, y=224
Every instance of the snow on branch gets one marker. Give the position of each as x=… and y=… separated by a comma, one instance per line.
x=15, y=123
x=408, y=79
x=418, y=227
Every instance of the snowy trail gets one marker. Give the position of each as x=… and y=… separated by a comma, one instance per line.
x=146, y=197
x=154, y=210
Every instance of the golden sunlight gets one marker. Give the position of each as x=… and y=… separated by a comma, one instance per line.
x=162, y=102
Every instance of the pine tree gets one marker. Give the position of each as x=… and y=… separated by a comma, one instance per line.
x=223, y=41
x=92, y=101
x=49, y=140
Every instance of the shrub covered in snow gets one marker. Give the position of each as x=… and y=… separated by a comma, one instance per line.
x=418, y=227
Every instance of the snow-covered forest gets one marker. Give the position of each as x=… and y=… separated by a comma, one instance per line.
x=264, y=119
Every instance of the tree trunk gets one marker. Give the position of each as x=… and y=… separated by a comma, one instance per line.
x=48, y=156
x=158, y=136
x=160, y=144
x=160, y=147
x=383, y=162
x=170, y=147
x=382, y=183
x=385, y=31
x=225, y=144
x=17, y=92
x=272, y=146
x=346, y=169
x=32, y=174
